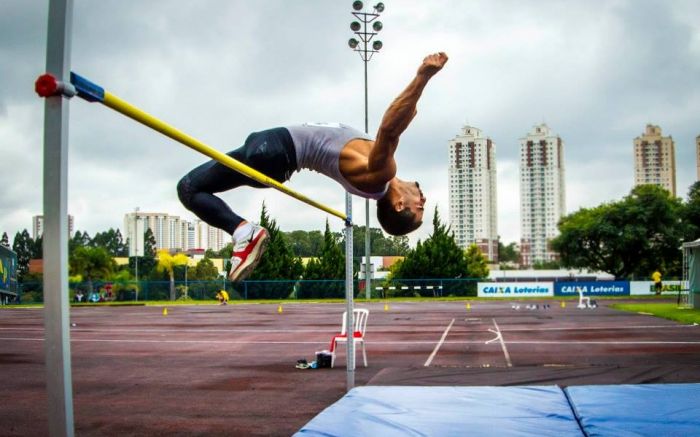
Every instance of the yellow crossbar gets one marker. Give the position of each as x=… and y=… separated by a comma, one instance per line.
x=131, y=111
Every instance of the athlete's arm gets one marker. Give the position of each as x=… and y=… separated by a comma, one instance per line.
x=400, y=113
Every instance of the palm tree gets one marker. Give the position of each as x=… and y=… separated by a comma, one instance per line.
x=91, y=263
x=167, y=263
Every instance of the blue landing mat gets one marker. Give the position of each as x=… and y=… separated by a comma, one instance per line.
x=447, y=411
x=637, y=410
x=596, y=410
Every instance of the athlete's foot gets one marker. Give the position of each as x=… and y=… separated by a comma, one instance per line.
x=247, y=253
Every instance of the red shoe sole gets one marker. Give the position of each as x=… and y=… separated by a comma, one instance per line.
x=246, y=267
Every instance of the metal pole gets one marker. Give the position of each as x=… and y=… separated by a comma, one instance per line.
x=59, y=383
x=136, y=244
x=368, y=272
x=349, y=306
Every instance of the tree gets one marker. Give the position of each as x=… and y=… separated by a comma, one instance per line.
x=379, y=243
x=279, y=261
x=329, y=265
x=80, y=239
x=305, y=244
x=112, y=241
x=91, y=263
x=508, y=254
x=546, y=265
x=5, y=241
x=438, y=257
x=631, y=237
x=23, y=246
x=38, y=248
x=167, y=263
x=205, y=270
x=691, y=213
x=148, y=261
x=477, y=264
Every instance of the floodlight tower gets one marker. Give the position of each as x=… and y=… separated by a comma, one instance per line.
x=366, y=29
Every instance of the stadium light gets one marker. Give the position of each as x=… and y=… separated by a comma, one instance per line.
x=366, y=27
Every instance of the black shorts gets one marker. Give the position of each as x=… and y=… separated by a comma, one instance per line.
x=270, y=152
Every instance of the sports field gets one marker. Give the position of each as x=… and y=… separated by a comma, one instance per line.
x=230, y=370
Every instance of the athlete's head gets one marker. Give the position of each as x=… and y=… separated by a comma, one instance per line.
x=400, y=211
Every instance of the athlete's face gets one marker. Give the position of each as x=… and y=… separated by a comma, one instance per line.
x=414, y=199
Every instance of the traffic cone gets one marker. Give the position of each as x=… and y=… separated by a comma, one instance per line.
x=563, y=304
x=386, y=307
x=279, y=309
x=469, y=306
x=165, y=311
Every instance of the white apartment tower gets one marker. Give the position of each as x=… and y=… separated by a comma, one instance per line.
x=542, y=193
x=203, y=236
x=655, y=159
x=38, y=226
x=171, y=232
x=472, y=186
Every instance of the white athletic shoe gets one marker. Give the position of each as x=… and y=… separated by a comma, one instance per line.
x=247, y=253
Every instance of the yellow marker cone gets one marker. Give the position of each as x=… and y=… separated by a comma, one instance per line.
x=386, y=307
x=469, y=306
x=165, y=311
x=563, y=304
x=279, y=309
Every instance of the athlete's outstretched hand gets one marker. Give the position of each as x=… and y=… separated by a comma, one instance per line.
x=432, y=64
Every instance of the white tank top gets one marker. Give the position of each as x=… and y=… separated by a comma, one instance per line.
x=318, y=147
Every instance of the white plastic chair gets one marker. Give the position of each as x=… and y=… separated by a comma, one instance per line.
x=358, y=334
x=584, y=301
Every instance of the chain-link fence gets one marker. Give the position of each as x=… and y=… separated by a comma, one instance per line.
x=100, y=291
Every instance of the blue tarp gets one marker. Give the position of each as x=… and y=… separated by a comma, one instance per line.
x=447, y=411
x=637, y=410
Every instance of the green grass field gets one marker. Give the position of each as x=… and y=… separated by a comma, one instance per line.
x=668, y=311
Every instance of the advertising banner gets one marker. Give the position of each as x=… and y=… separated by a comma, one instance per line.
x=8, y=271
x=640, y=288
x=515, y=289
x=597, y=288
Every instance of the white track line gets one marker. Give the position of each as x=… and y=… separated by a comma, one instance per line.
x=503, y=344
x=437, y=346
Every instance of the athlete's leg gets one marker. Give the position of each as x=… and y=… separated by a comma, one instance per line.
x=270, y=152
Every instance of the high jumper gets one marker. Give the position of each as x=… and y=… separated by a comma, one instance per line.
x=362, y=165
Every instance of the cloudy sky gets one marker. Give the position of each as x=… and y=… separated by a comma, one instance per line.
x=595, y=71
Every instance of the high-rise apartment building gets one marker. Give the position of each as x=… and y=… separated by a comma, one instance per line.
x=542, y=193
x=38, y=226
x=203, y=236
x=655, y=159
x=171, y=232
x=472, y=185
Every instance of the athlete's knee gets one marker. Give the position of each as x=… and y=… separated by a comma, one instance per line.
x=185, y=191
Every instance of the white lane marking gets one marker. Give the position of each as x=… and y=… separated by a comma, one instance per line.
x=503, y=344
x=437, y=346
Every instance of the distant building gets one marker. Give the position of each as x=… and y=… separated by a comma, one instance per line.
x=472, y=185
x=203, y=236
x=655, y=159
x=171, y=232
x=542, y=193
x=38, y=226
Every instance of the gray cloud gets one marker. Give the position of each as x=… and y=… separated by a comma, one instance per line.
x=596, y=73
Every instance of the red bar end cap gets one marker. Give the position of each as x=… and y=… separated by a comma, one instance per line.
x=46, y=85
